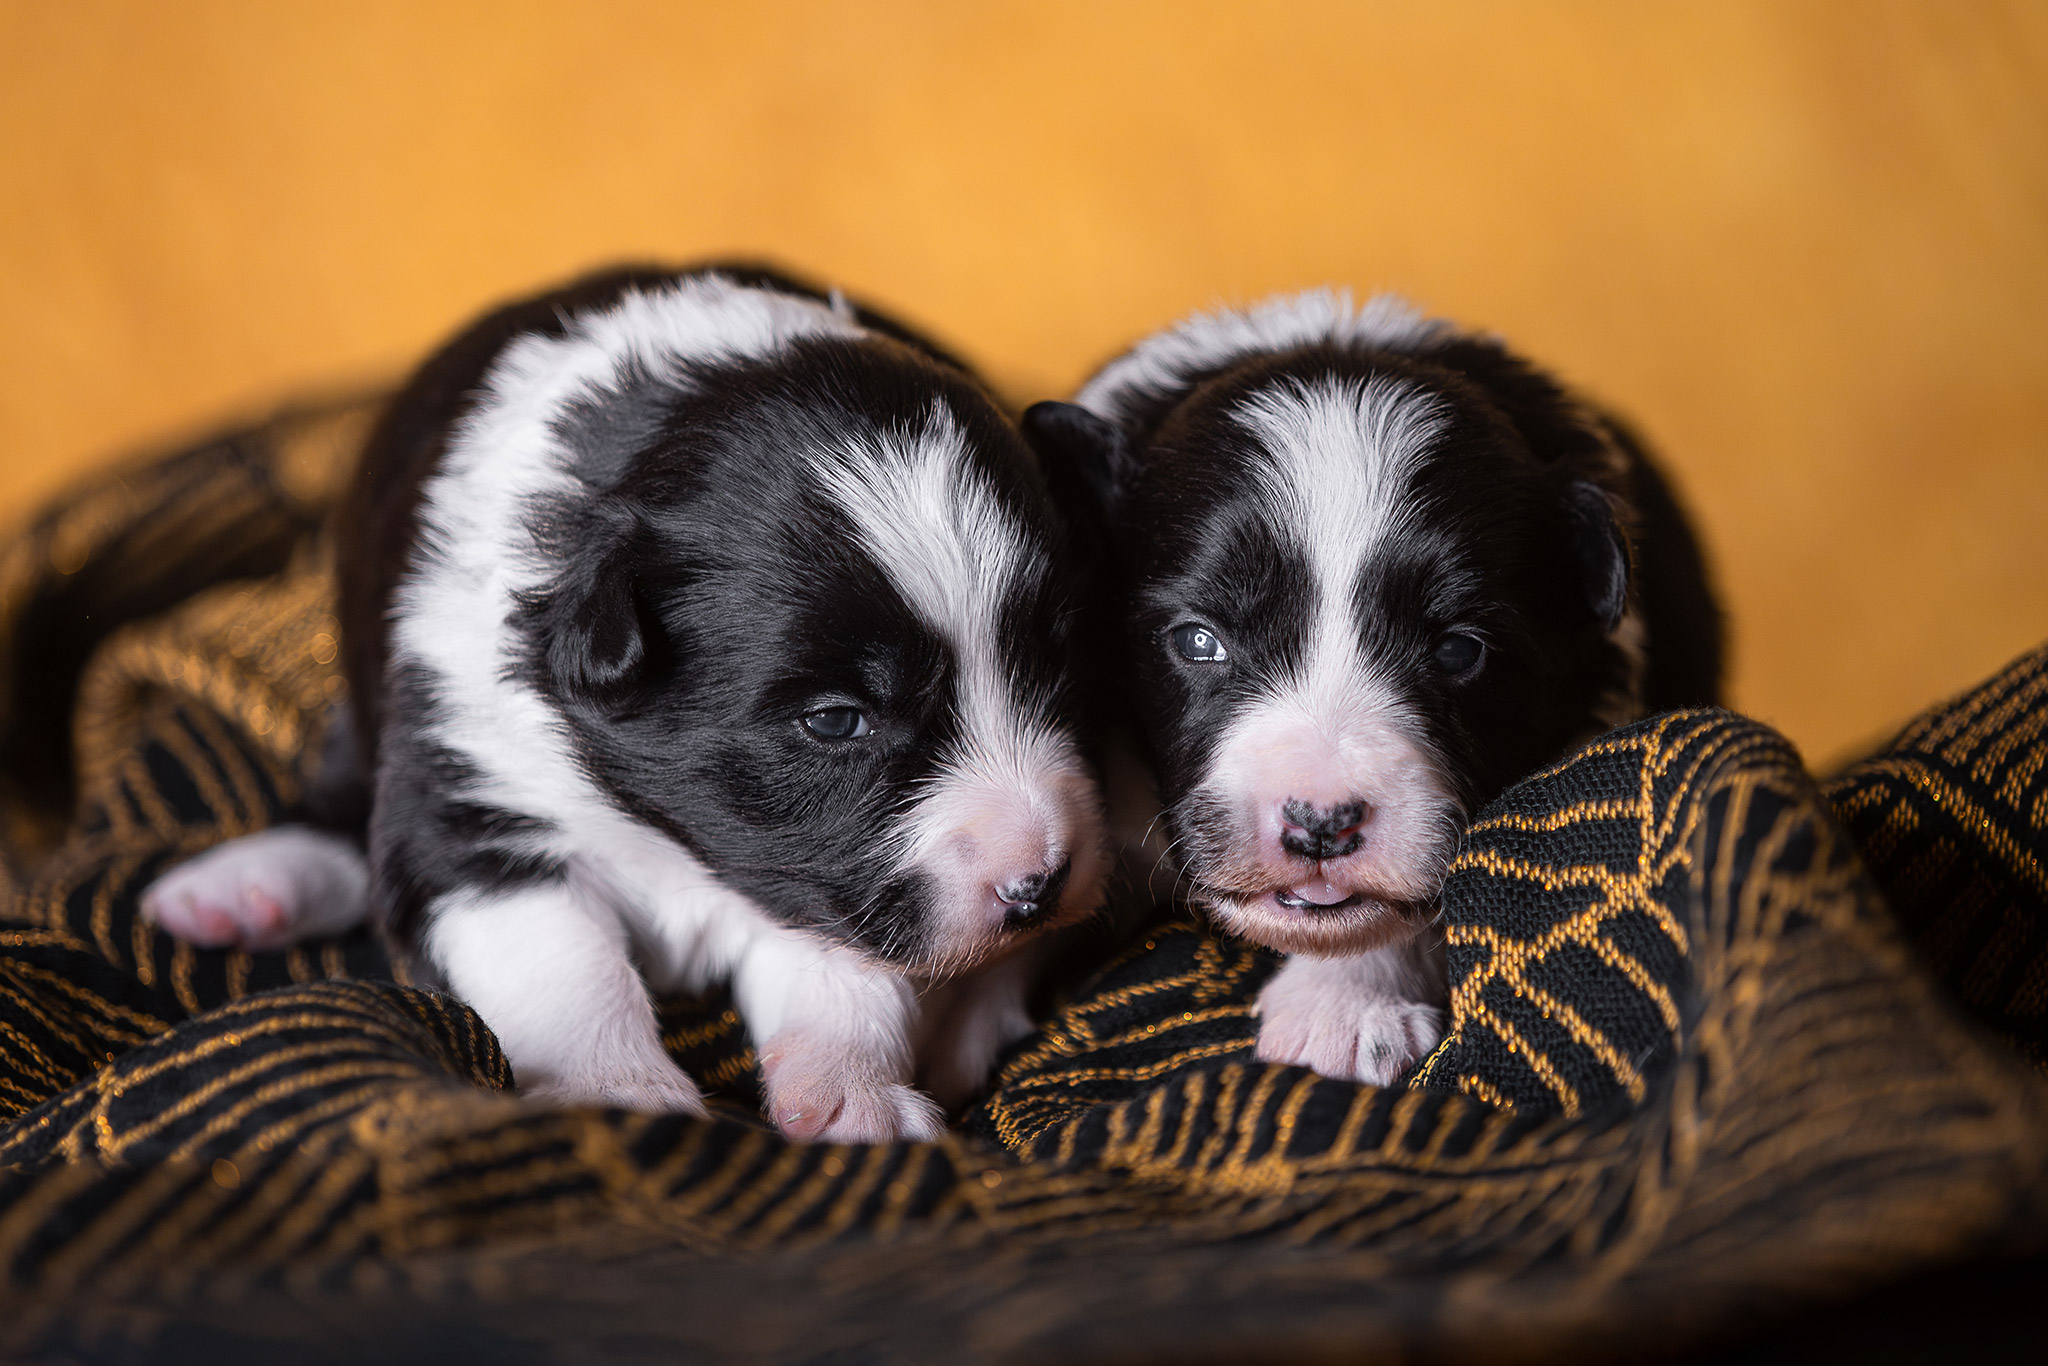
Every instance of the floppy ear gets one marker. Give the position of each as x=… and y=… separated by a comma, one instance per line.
x=598, y=640
x=1603, y=550
x=1080, y=449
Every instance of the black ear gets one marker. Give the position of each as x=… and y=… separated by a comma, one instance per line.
x=1070, y=439
x=1602, y=550
x=599, y=638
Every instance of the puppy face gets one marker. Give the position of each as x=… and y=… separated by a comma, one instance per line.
x=1356, y=606
x=805, y=615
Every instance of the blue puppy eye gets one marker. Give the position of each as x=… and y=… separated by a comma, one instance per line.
x=1458, y=654
x=1198, y=644
x=836, y=723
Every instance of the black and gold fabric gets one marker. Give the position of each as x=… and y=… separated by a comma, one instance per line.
x=1725, y=1046
x=1952, y=821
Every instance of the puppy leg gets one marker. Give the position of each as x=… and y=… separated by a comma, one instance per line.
x=551, y=975
x=1364, y=1017
x=971, y=1019
x=263, y=891
x=835, y=1038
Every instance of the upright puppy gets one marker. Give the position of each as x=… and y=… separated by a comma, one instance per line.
x=1370, y=570
x=700, y=627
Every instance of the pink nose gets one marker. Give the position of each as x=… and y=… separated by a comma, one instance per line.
x=1323, y=832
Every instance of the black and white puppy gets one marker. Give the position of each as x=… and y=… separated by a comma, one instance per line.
x=700, y=627
x=1369, y=570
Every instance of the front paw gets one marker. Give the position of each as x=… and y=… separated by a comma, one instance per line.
x=669, y=1090
x=1367, y=1038
x=830, y=1098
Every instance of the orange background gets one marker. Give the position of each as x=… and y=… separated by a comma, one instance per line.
x=1802, y=243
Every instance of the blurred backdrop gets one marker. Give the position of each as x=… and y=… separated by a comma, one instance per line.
x=1803, y=242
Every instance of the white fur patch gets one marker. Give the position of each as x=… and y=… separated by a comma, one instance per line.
x=1340, y=456
x=929, y=518
x=550, y=973
x=972, y=1018
x=1165, y=362
x=1013, y=798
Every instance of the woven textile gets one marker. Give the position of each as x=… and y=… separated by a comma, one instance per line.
x=1952, y=820
x=1695, y=1068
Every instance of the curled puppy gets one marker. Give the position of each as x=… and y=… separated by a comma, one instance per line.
x=700, y=627
x=1369, y=570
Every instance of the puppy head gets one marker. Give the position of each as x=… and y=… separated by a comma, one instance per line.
x=1359, y=601
x=803, y=610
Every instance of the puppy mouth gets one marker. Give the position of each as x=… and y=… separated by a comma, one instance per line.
x=1319, y=904
x=1312, y=897
x=1317, y=917
x=1308, y=900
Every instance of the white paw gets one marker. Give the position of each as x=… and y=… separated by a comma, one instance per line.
x=828, y=1097
x=263, y=891
x=669, y=1090
x=1352, y=1037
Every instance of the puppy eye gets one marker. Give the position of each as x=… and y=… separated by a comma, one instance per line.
x=836, y=723
x=1458, y=654
x=1198, y=644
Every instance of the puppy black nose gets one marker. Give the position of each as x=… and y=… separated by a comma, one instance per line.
x=1323, y=832
x=1032, y=897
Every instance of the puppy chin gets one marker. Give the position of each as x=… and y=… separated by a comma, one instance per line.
x=1361, y=925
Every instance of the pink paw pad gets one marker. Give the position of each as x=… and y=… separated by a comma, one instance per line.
x=262, y=891
x=835, y=1100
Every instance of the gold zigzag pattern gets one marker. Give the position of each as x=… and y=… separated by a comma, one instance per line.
x=1495, y=990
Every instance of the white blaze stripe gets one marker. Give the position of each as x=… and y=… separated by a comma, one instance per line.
x=1339, y=459
x=1164, y=362
x=929, y=518
x=1340, y=456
